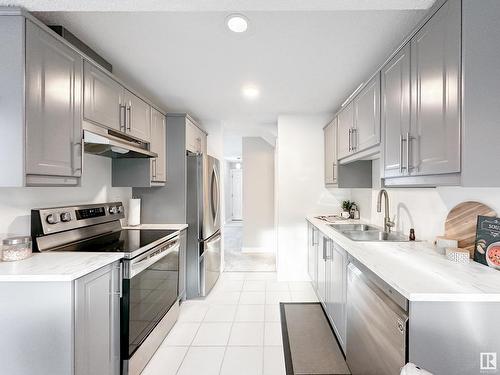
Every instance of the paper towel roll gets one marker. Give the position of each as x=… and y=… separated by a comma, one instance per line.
x=134, y=211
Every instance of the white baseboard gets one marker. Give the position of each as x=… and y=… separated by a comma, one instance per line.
x=257, y=250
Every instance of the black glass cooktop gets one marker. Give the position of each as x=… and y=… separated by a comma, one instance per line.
x=123, y=241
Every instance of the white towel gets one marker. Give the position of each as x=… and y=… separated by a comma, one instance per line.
x=411, y=369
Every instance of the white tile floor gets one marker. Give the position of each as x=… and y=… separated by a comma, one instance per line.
x=236, y=330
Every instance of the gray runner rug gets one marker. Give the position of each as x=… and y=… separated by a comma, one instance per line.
x=309, y=344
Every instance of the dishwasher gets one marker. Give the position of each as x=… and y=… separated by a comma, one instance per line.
x=376, y=324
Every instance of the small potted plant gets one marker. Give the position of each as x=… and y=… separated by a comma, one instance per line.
x=346, y=208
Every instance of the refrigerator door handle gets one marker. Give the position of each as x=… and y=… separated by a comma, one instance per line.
x=211, y=237
x=215, y=195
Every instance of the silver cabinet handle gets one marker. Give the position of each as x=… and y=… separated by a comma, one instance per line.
x=324, y=248
x=350, y=133
x=128, y=118
x=401, y=153
x=408, y=147
x=354, y=139
x=333, y=172
x=73, y=145
x=123, y=117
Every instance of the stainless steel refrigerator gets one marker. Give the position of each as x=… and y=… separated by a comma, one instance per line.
x=203, y=262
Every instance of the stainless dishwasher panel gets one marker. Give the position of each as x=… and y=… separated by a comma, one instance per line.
x=376, y=328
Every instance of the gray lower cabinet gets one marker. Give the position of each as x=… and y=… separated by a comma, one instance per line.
x=328, y=272
x=103, y=101
x=366, y=129
x=337, y=295
x=182, y=264
x=435, y=81
x=97, y=322
x=323, y=244
x=158, y=145
x=312, y=254
x=396, y=113
x=62, y=327
x=330, y=139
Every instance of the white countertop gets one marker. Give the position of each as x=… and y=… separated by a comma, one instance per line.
x=56, y=266
x=66, y=266
x=419, y=272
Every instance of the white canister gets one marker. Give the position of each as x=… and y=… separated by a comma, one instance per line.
x=134, y=212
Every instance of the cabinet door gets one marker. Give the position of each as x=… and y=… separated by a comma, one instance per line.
x=193, y=137
x=435, y=66
x=367, y=116
x=345, y=125
x=395, y=111
x=158, y=145
x=138, y=117
x=322, y=259
x=53, y=106
x=312, y=254
x=338, y=294
x=97, y=322
x=182, y=263
x=102, y=98
x=330, y=140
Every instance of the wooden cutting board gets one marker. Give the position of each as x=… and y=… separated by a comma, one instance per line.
x=461, y=223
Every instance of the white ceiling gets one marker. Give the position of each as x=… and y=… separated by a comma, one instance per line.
x=216, y=5
x=303, y=62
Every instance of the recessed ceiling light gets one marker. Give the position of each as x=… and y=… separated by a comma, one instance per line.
x=237, y=23
x=250, y=91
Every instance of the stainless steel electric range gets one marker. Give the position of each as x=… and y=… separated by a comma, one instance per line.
x=150, y=269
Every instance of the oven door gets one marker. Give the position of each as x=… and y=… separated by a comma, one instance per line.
x=150, y=288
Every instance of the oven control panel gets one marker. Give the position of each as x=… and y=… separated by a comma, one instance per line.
x=53, y=220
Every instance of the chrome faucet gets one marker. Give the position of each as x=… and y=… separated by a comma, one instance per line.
x=388, y=224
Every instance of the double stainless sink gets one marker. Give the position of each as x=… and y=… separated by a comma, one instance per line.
x=365, y=232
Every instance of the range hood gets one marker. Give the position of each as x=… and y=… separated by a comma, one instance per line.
x=104, y=142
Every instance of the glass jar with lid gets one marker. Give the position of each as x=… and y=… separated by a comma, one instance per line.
x=16, y=248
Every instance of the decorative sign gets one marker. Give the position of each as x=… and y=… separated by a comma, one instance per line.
x=487, y=249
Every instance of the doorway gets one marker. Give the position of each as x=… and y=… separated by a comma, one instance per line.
x=236, y=194
x=249, y=233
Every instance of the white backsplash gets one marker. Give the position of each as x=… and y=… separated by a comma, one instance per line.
x=16, y=203
x=424, y=209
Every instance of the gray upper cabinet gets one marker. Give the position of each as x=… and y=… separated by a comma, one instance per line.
x=395, y=112
x=158, y=145
x=435, y=80
x=366, y=129
x=138, y=117
x=103, y=99
x=344, y=130
x=330, y=139
x=107, y=103
x=97, y=322
x=53, y=107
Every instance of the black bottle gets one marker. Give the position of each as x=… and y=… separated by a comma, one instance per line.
x=412, y=234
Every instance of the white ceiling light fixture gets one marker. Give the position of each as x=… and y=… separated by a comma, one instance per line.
x=237, y=23
x=250, y=91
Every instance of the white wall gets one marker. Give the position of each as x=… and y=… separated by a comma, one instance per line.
x=16, y=203
x=424, y=209
x=258, y=195
x=300, y=189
